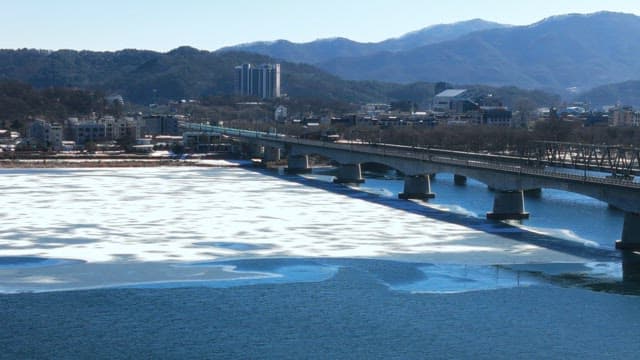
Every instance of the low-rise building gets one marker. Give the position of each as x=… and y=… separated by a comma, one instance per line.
x=375, y=110
x=86, y=131
x=496, y=116
x=118, y=128
x=197, y=141
x=107, y=128
x=624, y=116
x=280, y=114
x=453, y=101
x=45, y=135
x=162, y=124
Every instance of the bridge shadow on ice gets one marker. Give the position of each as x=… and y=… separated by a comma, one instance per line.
x=498, y=228
x=630, y=261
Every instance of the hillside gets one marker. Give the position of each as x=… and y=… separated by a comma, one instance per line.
x=146, y=76
x=326, y=49
x=626, y=93
x=580, y=51
x=19, y=101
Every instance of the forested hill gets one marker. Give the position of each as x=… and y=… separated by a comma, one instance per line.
x=625, y=93
x=21, y=102
x=146, y=76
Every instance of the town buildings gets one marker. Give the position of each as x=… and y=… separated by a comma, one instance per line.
x=107, y=128
x=452, y=100
x=624, y=116
x=280, y=114
x=162, y=124
x=44, y=135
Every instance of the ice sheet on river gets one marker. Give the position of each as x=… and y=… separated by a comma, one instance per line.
x=133, y=225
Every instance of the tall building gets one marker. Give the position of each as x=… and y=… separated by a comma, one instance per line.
x=269, y=84
x=262, y=81
x=243, y=80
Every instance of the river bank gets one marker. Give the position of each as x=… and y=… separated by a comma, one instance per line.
x=117, y=162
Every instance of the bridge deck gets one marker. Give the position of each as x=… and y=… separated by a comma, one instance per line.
x=437, y=156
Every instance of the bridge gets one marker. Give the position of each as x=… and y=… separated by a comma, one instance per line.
x=509, y=177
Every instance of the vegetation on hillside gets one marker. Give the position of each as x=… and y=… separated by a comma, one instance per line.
x=146, y=77
x=20, y=102
x=626, y=93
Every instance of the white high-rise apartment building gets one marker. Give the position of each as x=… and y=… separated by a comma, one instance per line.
x=262, y=81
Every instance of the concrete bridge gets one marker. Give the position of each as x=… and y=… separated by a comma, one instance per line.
x=509, y=181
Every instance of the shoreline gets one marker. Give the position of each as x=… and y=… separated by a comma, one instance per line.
x=50, y=163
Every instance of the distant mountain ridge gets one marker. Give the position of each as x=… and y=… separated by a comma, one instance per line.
x=556, y=53
x=326, y=49
x=146, y=77
x=625, y=93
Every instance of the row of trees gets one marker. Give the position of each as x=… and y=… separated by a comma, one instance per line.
x=468, y=138
x=20, y=102
x=496, y=139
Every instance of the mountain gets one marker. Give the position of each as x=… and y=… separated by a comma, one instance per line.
x=325, y=49
x=146, y=76
x=435, y=34
x=309, y=53
x=625, y=93
x=557, y=53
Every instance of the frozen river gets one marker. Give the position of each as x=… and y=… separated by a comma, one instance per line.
x=191, y=233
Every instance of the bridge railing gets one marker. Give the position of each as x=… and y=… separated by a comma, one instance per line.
x=416, y=153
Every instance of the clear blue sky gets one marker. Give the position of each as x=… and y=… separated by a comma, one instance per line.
x=210, y=24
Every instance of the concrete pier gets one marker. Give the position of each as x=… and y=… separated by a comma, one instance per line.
x=272, y=154
x=459, y=180
x=349, y=174
x=630, y=233
x=417, y=187
x=298, y=164
x=256, y=150
x=630, y=266
x=508, y=205
x=534, y=193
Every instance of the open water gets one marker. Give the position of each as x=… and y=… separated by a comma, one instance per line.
x=236, y=263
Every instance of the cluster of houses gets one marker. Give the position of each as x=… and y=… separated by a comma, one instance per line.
x=450, y=107
x=457, y=107
x=106, y=132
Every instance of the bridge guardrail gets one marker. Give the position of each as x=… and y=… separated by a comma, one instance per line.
x=411, y=153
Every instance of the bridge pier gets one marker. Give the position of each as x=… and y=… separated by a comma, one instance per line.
x=298, y=164
x=508, y=205
x=272, y=154
x=630, y=232
x=630, y=266
x=459, y=180
x=349, y=174
x=417, y=187
x=534, y=193
x=256, y=150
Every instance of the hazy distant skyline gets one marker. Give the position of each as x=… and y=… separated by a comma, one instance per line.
x=164, y=25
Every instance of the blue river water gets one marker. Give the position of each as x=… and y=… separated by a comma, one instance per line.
x=560, y=213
